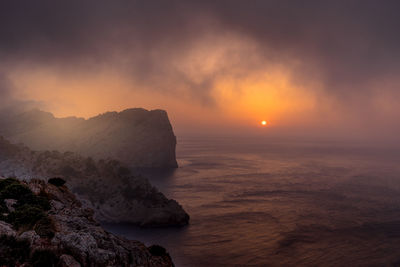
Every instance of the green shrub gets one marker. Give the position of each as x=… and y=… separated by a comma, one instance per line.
x=12, y=251
x=56, y=181
x=29, y=210
x=15, y=191
x=33, y=200
x=3, y=207
x=6, y=182
x=44, y=258
x=26, y=216
x=45, y=227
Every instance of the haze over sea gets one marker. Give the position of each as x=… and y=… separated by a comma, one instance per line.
x=266, y=202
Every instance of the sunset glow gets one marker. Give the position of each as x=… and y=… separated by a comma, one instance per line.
x=224, y=78
x=248, y=133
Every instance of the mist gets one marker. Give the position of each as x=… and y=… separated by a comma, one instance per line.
x=199, y=133
x=312, y=70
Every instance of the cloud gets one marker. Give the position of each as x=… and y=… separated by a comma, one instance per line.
x=350, y=49
x=337, y=36
x=345, y=42
x=5, y=90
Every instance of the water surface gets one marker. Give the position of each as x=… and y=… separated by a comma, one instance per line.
x=269, y=203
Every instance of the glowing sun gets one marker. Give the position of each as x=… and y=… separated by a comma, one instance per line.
x=263, y=123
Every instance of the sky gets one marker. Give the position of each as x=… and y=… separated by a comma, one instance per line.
x=309, y=68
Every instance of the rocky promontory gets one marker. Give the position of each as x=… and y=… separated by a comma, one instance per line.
x=44, y=224
x=105, y=186
x=136, y=137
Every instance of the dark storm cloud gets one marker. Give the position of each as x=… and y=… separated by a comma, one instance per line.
x=351, y=41
x=89, y=34
x=347, y=44
x=50, y=30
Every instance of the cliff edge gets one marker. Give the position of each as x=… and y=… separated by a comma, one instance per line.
x=136, y=137
x=105, y=186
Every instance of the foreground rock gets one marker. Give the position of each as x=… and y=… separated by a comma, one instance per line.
x=105, y=186
x=53, y=229
x=135, y=137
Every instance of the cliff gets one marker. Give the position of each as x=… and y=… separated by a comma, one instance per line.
x=105, y=186
x=135, y=137
x=43, y=224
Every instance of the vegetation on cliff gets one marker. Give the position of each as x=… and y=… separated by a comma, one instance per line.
x=28, y=211
x=43, y=224
x=106, y=186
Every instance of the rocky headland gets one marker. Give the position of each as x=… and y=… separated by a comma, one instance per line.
x=136, y=137
x=44, y=224
x=105, y=186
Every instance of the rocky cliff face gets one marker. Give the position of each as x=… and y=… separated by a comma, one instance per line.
x=105, y=186
x=42, y=224
x=135, y=137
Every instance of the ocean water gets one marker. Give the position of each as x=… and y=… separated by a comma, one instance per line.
x=269, y=203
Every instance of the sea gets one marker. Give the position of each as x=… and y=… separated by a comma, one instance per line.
x=264, y=202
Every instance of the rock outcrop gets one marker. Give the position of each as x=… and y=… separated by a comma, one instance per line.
x=50, y=227
x=136, y=137
x=105, y=186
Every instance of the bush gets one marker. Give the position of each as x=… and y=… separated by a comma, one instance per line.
x=56, y=181
x=157, y=250
x=30, y=209
x=3, y=207
x=44, y=258
x=33, y=200
x=15, y=191
x=12, y=251
x=26, y=216
x=45, y=227
x=6, y=182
